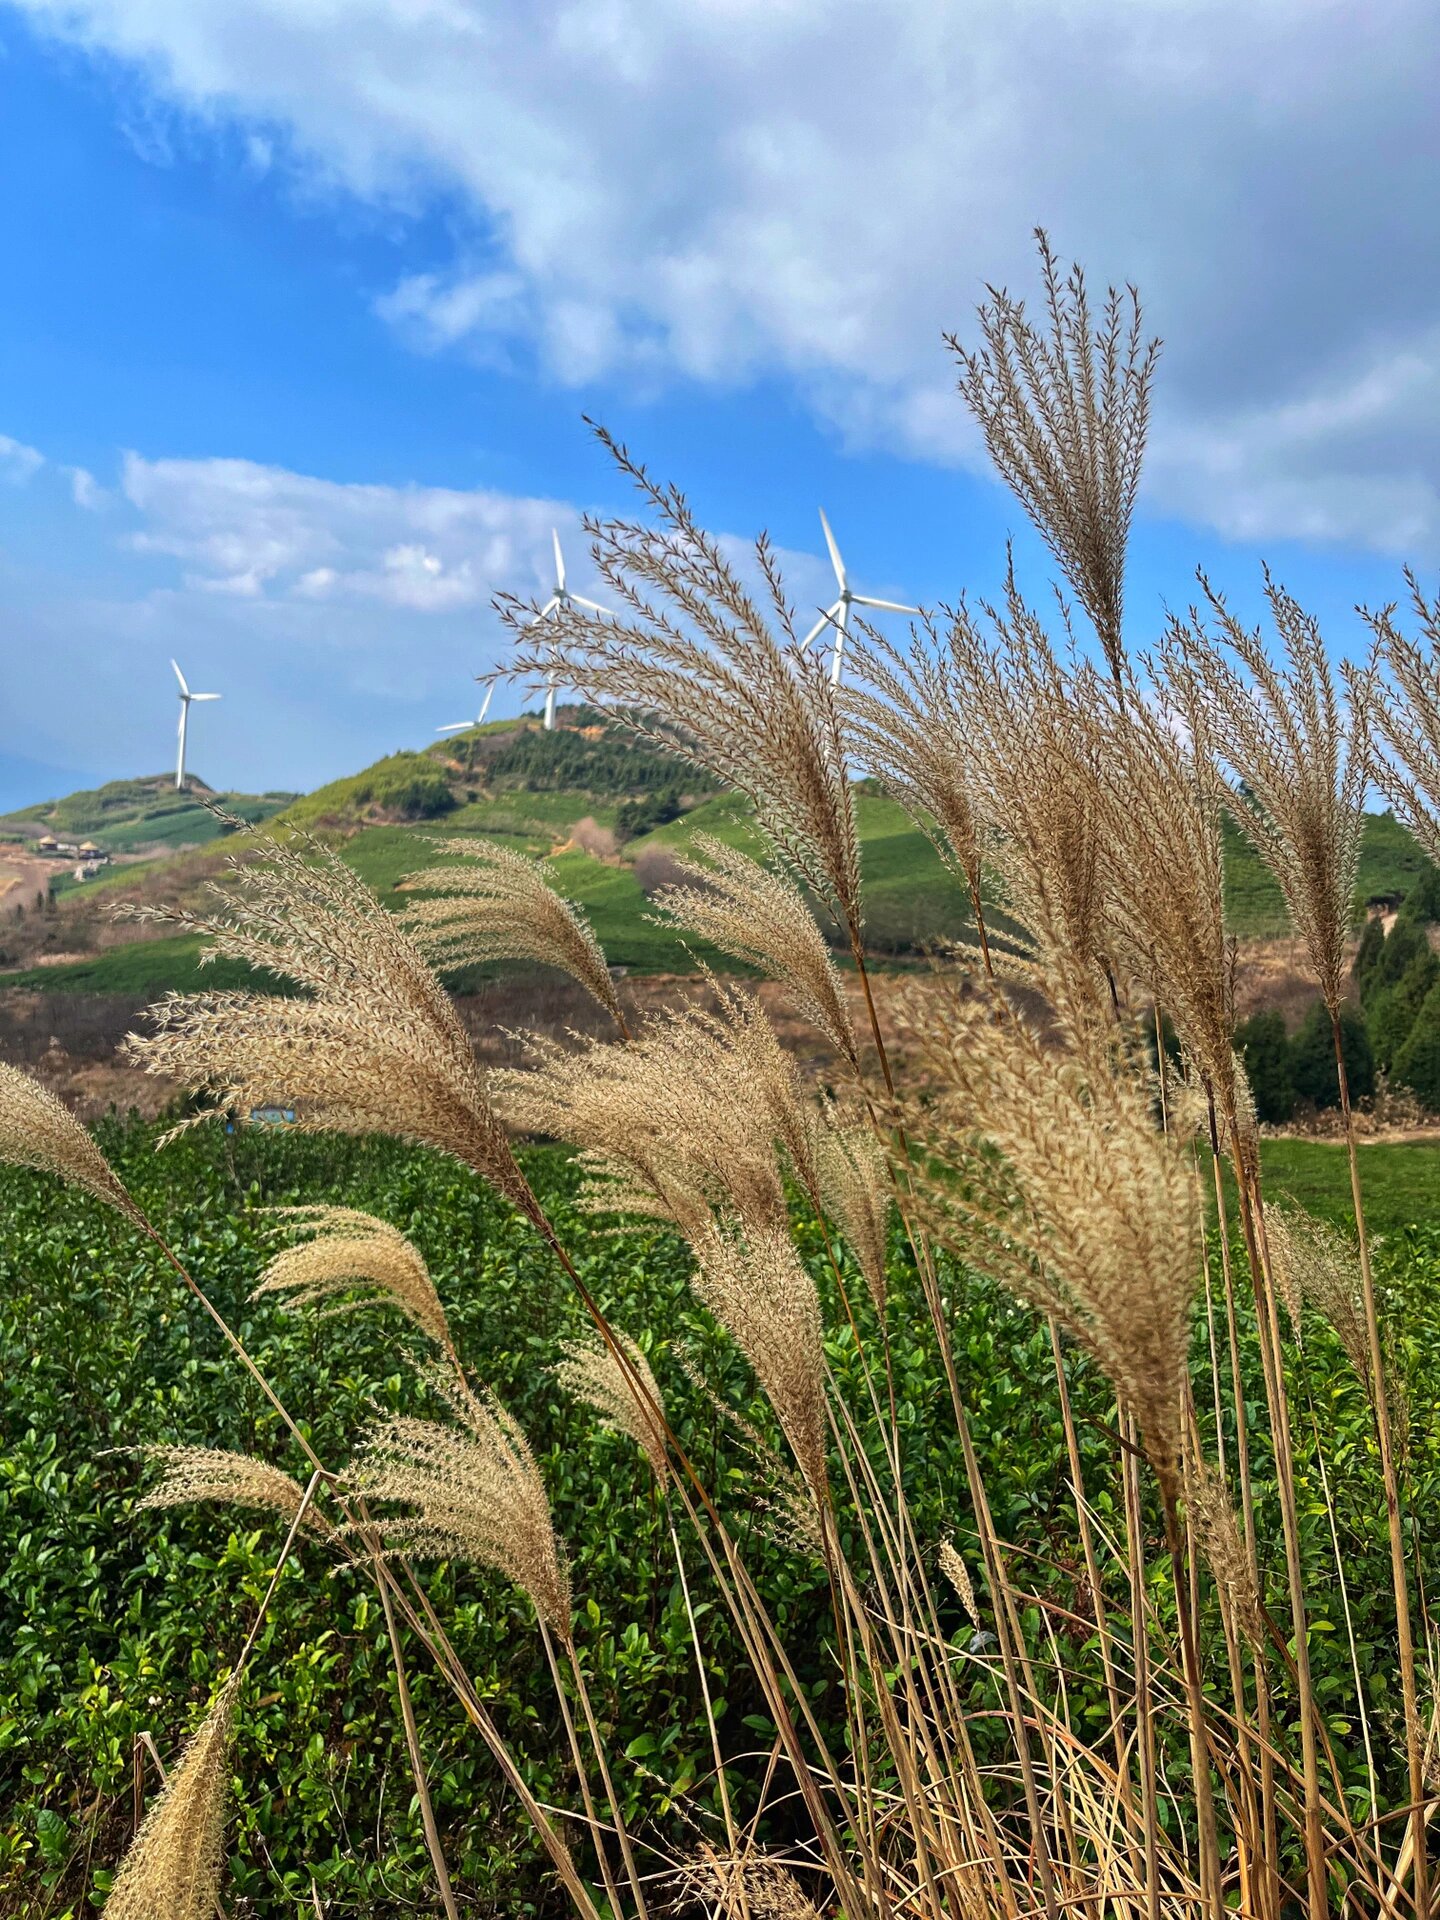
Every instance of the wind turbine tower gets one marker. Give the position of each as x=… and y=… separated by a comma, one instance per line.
x=837, y=615
x=186, y=696
x=560, y=599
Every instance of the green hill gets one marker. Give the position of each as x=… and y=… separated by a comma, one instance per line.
x=129, y=816
x=608, y=813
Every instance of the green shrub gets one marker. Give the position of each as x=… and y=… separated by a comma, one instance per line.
x=1422, y=902
x=1312, y=1057
x=652, y=810
x=1263, y=1045
x=1405, y=944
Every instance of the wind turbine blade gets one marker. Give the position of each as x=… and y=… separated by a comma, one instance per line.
x=485, y=703
x=821, y=624
x=559, y=562
x=886, y=606
x=207, y=696
x=545, y=611
x=594, y=605
x=835, y=560
x=456, y=726
x=184, y=689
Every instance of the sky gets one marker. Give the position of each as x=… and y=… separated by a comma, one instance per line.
x=306, y=302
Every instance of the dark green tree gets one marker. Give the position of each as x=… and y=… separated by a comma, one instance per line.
x=1367, y=957
x=1405, y=942
x=1263, y=1045
x=1312, y=1057
x=1422, y=902
x=1418, y=1063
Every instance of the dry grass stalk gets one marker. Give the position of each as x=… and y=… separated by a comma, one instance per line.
x=1212, y=1520
x=679, y=1124
x=590, y=1373
x=173, y=1868
x=501, y=906
x=753, y=1281
x=696, y=667
x=1043, y=1166
x=858, y=1194
x=1405, y=715
x=1064, y=412
x=759, y=917
x=1316, y=1265
x=36, y=1131
x=475, y=1492
x=374, y=1046
x=1034, y=750
x=1299, y=757
x=233, y=1479
x=349, y=1250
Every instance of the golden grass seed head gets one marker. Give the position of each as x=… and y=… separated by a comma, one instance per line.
x=501, y=906
x=590, y=1372
x=1405, y=717
x=172, y=1870
x=193, y=1474
x=38, y=1132
x=348, y=1250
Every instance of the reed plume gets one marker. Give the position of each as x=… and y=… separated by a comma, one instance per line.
x=680, y=1124
x=501, y=906
x=193, y=1474
x=475, y=1494
x=958, y=1574
x=36, y=1131
x=757, y=916
x=1064, y=410
x=754, y=1283
x=745, y=1887
x=909, y=727
x=1034, y=751
x=1038, y=1160
x=370, y=1044
x=590, y=1373
x=1299, y=760
x=172, y=1870
x=349, y=1250
x=1317, y=1266
x=858, y=1193
x=695, y=666
x=1405, y=716
x=1161, y=801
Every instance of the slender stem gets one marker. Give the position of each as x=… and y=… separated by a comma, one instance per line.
x=1414, y=1731
x=417, y=1765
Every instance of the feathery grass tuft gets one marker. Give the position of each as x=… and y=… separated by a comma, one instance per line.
x=347, y=1250
x=373, y=1046
x=173, y=1868
x=1318, y=1266
x=36, y=1131
x=858, y=1194
x=501, y=906
x=694, y=666
x=1406, y=719
x=234, y=1479
x=759, y=917
x=475, y=1492
x=1299, y=757
x=590, y=1373
x=1064, y=412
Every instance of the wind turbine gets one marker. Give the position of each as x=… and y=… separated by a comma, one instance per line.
x=186, y=696
x=464, y=726
x=838, y=614
x=558, y=601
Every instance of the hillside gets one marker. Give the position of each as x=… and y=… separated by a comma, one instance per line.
x=608, y=813
x=139, y=816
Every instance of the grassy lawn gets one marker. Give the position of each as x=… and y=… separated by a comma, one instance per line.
x=1400, y=1179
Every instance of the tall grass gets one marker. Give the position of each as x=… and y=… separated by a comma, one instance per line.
x=1009, y=1115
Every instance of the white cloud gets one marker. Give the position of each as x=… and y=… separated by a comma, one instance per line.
x=18, y=463
x=253, y=531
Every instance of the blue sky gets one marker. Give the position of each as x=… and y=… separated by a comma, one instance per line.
x=304, y=305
